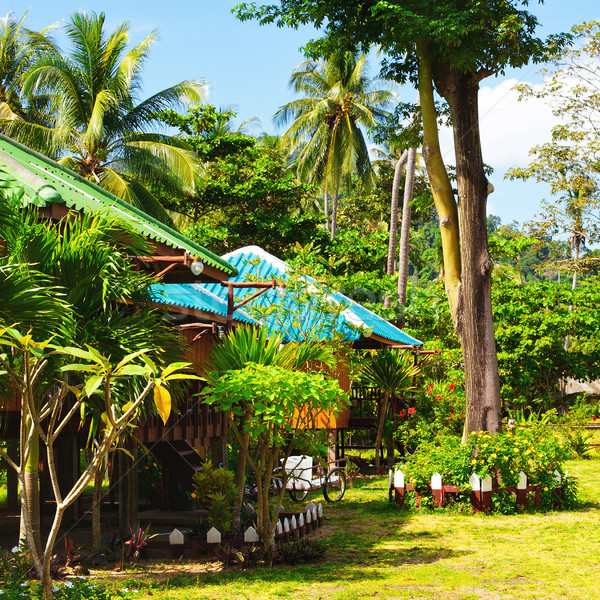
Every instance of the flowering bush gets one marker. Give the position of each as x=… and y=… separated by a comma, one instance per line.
x=538, y=451
x=438, y=411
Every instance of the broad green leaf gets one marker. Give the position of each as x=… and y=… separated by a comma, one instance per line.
x=79, y=367
x=176, y=366
x=132, y=370
x=129, y=358
x=92, y=384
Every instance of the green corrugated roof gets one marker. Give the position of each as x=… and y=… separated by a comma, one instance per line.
x=39, y=180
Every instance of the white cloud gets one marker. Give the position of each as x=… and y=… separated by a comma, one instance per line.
x=509, y=127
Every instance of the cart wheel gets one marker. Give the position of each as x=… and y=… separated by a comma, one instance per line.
x=297, y=495
x=335, y=485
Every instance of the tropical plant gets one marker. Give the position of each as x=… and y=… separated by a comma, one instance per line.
x=76, y=293
x=392, y=372
x=94, y=116
x=19, y=48
x=274, y=408
x=247, y=346
x=339, y=100
x=45, y=413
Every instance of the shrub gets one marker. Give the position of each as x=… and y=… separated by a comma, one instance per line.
x=537, y=450
x=216, y=490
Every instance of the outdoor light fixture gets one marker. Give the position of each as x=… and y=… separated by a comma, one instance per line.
x=197, y=267
x=281, y=291
x=220, y=331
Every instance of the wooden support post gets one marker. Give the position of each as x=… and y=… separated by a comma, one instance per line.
x=475, y=483
x=399, y=487
x=486, y=493
x=437, y=489
x=522, y=490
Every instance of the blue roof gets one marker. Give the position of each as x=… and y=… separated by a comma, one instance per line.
x=195, y=296
x=254, y=263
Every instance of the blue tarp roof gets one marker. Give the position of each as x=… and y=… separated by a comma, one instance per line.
x=254, y=263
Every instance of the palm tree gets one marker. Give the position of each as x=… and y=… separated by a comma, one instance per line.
x=95, y=123
x=19, y=48
x=391, y=371
x=339, y=100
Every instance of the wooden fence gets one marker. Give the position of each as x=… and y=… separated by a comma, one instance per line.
x=290, y=527
x=481, y=490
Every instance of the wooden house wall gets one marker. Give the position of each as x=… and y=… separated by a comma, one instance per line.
x=194, y=421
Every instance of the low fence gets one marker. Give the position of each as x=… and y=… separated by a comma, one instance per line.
x=481, y=490
x=290, y=527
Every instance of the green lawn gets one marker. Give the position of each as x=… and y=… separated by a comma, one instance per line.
x=378, y=551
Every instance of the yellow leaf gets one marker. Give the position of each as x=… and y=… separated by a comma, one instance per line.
x=162, y=399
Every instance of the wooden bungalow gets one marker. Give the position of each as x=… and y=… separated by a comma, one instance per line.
x=356, y=325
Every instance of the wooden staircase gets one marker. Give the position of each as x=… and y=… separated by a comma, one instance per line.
x=180, y=460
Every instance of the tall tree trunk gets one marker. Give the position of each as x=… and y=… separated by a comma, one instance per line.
x=475, y=322
x=30, y=495
x=326, y=207
x=96, y=505
x=409, y=186
x=382, y=413
x=441, y=188
x=240, y=482
x=334, y=210
x=576, y=246
x=391, y=258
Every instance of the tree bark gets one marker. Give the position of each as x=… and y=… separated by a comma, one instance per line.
x=441, y=188
x=30, y=496
x=96, y=518
x=334, y=209
x=391, y=259
x=409, y=186
x=326, y=207
x=474, y=319
x=240, y=482
x=382, y=412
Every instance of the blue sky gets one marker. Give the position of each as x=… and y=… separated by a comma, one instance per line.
x=249, y=66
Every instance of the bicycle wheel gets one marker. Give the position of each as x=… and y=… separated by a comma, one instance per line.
x=334, y=487
x=297, y=495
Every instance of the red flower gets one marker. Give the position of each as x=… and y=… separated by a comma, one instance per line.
x=594, y=418
x=451, y=418
x=438, y=397
x=402, y=413
x=411, y=410
x=430, y=389
x=451, y=386
x=452, y=409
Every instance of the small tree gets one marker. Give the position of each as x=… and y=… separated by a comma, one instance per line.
x=390, y=371
x=274, y=408
x=44, y=417
x=244, y=346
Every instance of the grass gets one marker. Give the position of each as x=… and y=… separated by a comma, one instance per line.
x=376, y=550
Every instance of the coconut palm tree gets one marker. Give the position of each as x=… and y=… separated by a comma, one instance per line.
x=339, y=99
x=19, y=48
x=95, y=123
x=392, y=372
